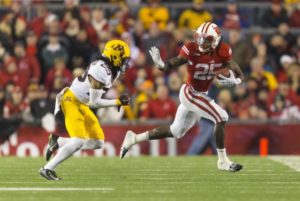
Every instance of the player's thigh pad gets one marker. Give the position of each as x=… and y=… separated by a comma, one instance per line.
x=92, y=125
x=202, y=105
x=184, y=120
x=74, y=119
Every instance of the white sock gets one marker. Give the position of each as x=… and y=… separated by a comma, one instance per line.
x=142, y=137
x=222, y=155
x=62, y=141
x=64, y=153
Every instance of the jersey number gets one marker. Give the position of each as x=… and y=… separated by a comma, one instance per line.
x=206, y=72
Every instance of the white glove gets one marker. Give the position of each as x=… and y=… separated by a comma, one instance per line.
x=229, y=81
x=155, y=54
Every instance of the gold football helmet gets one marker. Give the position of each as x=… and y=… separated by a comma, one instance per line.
x=118, y=54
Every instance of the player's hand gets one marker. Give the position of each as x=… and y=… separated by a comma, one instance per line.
x=229, y=81
x=155, y=54
x=124, y=99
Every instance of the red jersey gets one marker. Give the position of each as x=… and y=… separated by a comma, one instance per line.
x=202, y=66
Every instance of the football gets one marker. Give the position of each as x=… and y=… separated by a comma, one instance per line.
x=223, y=71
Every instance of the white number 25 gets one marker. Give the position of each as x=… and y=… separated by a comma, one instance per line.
x=206, y=72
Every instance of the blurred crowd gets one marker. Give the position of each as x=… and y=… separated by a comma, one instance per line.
x=43, y=53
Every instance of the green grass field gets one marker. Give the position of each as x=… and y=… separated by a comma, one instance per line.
x=146, y=178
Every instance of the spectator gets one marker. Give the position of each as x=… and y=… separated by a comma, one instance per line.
x=99, y=22
x=285, y=61
x=276, y=48
x=40, y=105
x=162, y=107
x=37, y=24
x=275, y=15
x=153, y=12
x=11, y=73
x=293, y=73
x=146, y=92
x=81, y=49
x=52, y=51
x=283, y=103
x=232, y=19
x=225, y=100
x=17, y=107
x=264, y=78
x=241, y=49
x=31, y=44
x=284, y=31
x=121, y=21
x=85, y=16
x=294, y=21
x=192, y=18
x=59, y=70
x=13, y=24
x=28, y=65
x=155, y=38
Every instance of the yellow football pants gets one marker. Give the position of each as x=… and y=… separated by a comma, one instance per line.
x=80, y=121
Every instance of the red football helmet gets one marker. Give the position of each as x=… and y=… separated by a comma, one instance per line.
x=207, y=36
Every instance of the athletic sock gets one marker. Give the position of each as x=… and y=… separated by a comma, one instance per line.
x=141, y=137
x=64, y=153
x=222, y=155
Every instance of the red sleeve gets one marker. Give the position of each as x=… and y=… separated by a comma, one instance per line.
x=225, y=51
x=186, y=49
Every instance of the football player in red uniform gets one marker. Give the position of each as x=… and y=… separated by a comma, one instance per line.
x=204, y=56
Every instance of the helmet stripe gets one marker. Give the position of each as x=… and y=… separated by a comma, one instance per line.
x=203, y=27
x=207, y=27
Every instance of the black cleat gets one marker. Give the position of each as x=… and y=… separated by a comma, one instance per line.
x=49, y=174
x=123, y=152
x=235, y=167
x=52, y=146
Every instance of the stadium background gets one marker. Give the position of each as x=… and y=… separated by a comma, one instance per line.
x=45, y=44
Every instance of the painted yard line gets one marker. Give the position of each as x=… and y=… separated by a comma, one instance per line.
x=292, y=162
x=54, y=189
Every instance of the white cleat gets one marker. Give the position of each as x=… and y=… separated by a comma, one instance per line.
x=229, y=166
x=128, y=142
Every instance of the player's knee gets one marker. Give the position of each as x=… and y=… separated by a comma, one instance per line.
x=92, y=144
x=177, y=132
x=77, y=143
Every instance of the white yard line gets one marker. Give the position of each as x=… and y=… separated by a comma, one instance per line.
x=54, y=189
x=292, y=162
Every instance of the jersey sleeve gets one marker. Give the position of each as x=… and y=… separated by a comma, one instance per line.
x=225, y=52
x=185, y=50
x=100, y=72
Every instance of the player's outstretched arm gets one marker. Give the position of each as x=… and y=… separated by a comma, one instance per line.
x=96, y=93
x=171, y=63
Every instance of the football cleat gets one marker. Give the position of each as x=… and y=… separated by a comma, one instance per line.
x=229, y=166
x=128, y=142
x=49, y=174
x=52, y=146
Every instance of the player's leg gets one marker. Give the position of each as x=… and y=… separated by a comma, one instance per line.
x=74, y=121
x=202, y=140
x=48, y=171
x=183, y=121
x=94, y=135
x=224, y=163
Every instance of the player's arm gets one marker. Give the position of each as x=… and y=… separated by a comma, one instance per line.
x=96, y=93
x=231, y=64
x=171, y=63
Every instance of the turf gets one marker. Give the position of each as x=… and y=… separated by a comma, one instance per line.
x=147, y=178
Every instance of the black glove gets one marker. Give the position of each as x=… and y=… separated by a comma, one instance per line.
x=124, y=99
